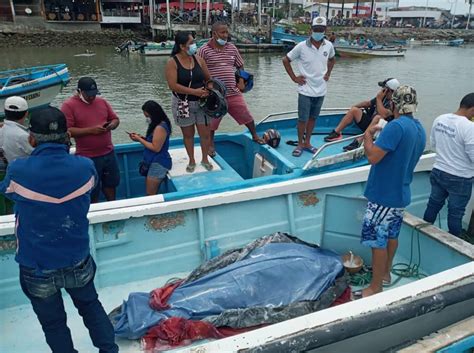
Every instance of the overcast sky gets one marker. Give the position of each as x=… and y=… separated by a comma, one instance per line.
x=461, y=7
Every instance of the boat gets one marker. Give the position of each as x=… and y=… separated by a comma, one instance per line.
x=39, y=85
x=139, y=246
x=286, y=35
x=456, y=42
x=353, y=51
x=152, y=48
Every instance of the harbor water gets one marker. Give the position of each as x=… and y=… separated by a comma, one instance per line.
x=441, y=76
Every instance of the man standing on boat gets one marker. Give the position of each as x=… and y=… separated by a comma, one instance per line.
x=14, y=139
x=363, y=113
x=52, y=233
x=393, y=157
x=315, y=59
x=452, y=136
x=90, y=120
x=223, y=59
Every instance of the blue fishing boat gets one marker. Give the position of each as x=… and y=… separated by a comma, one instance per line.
x=38, y=85
x=456, y=42
x=286, y=35
x=139, y=246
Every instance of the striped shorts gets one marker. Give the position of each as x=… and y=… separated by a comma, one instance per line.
x=380, y=224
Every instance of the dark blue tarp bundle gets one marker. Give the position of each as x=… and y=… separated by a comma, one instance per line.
x=274, y=273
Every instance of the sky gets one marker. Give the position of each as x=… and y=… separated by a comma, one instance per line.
x=461, y=7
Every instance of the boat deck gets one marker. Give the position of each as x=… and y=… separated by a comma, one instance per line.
x=13, y=319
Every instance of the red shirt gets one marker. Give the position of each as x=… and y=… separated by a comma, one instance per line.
x=81, y=115
x=222, y=64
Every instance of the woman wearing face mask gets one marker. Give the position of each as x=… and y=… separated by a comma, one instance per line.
x=155, y=156
x=186, y=75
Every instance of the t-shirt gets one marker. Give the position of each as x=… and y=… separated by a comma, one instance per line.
x=372, y=110
x=389, y=180
x=82, y=115
x=222, y=64
x=14, y=141
x=312, y=63
x=453, y=138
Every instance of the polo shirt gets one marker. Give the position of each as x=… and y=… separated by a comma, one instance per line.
x=403, y=140
x=222, y=64
x=452, y=136
x=312, y=63
x=82, y=115
x=15, y=141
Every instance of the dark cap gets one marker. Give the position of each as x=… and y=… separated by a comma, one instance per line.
x=88, y=85
x=48, y=121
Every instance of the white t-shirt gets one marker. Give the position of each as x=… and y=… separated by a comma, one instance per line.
x=453, y=138
x=15, y=141
x=312, y=63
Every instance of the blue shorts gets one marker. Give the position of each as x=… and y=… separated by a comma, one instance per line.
x=157, y=171
x=108, y=172
x=380, y=224
x=309, y=107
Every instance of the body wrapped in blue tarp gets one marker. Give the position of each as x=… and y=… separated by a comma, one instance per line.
x=272, y=279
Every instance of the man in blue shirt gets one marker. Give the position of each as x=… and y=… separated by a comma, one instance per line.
x=51, y=206
x=393, y=157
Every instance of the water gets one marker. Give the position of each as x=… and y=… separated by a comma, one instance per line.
x=441, y=76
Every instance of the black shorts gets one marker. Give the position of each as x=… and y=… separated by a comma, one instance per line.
x=108, y=172
x=365, y=120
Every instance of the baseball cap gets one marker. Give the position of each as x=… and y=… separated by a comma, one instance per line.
x=319, y=22
x=16, y=104
x=88, y=85
x=48, y=121
x=405, y=99
x=391, y=83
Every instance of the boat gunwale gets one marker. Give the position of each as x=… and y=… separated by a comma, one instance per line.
x=36, y=83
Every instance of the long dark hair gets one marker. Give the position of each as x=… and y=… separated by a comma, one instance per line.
x=179, y=39
x=157, y=115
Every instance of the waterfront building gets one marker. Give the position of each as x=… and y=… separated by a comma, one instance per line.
x=417, y=16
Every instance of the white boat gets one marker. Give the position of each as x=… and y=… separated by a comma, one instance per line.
x=364, y=52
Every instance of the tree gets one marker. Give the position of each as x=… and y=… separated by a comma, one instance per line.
x=469, y=14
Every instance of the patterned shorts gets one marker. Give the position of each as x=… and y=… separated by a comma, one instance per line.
x=380, y=224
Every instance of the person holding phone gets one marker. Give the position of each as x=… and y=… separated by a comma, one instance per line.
x=90, y=120
x=156, y=158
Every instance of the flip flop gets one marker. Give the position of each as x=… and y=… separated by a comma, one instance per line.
x=207, y=166
x=311, y=149
x=190, y=168
x=356, y=295
x=212, y=154
x=298, y=151
x=259, y=141
x=386, y=283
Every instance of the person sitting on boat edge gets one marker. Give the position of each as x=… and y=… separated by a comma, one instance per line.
x=315, y=59
x=52, y=230
x=90, y=121
x=222, y=59
x=156, y=158
x=364, y=112
x=14, y=134
x=186, y=75
x=393, y=158
x=452, y=136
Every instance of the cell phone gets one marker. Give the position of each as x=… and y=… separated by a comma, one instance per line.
x=128, y=132
x=106, y=124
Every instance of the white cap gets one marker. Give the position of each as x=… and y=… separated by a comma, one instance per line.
x=319, y=21
x=16, y=104
x=393, y=84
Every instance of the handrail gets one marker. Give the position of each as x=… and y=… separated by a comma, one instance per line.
x=327, y=144
x=295, y=111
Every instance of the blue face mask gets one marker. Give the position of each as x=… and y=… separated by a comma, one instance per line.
x=192, y=49
x=318, y=36
x=221, y=41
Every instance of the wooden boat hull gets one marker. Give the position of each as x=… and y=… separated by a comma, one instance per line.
x=350, y=52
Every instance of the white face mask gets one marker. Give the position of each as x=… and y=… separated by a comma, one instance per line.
x=221, y=41
x=82, y=98
x=148, y=120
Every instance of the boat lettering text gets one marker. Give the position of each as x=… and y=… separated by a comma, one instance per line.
x=32, y=96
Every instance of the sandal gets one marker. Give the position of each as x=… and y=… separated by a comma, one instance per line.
x=191, y=167
x=356, y=295
x=298, y=151
x=311, y=149
x=212, y=153
x=207, y=166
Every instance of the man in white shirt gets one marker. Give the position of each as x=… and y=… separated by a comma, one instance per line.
x=452, y=135
x=315, y=59
x=14, y=141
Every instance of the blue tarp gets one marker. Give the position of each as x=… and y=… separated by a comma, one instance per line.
x=274, y=275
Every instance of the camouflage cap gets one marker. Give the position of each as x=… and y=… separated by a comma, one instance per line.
x=405, y=99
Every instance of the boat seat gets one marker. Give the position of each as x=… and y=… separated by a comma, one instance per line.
x=221, y=174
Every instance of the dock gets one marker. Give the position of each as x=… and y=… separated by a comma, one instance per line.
x=260, y=48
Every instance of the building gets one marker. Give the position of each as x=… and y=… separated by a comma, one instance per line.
x=417, y=15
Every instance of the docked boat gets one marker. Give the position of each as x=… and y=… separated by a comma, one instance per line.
x=139, y=246
x=39, y=85
x=151, y=48
x=456, y=42
x=377, y=51
x=286, y=35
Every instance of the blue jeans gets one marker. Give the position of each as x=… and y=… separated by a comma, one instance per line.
x=458, y=192
x=44, y=292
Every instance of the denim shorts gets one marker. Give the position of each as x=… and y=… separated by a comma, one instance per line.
x=157, y=171
x=107, y=170
x=380, y=224
x=196, y=114
x=309, y=107
x=49, y=282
